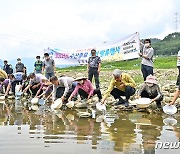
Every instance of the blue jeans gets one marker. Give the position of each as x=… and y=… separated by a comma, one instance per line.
x=146, y=71
x=49, y=75
x=39, y=72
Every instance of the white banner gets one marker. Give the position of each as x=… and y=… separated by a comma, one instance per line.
x=123, y=49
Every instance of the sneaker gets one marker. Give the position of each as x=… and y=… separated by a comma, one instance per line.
x=119, y=103
x=126, y=103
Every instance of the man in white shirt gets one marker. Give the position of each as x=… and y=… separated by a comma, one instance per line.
x=147, y=59
x=62, y=87
x=35, y=82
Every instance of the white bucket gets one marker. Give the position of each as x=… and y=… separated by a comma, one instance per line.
x=100, y=106
x=169, y=109
x=57, y=104
x=70, y=104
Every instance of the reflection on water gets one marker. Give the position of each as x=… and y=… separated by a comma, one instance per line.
x=24, y=131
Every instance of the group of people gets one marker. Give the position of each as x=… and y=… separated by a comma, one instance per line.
x=68, y=88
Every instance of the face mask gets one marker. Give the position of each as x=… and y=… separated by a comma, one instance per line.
x=19, y=61
x=47, y=58
x=93, y=54
x=147, y=45
x=150, y=84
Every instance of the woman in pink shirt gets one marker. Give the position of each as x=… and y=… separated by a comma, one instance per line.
x=85, y=89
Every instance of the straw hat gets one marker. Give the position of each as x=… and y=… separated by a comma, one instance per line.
x=80, y=76
x=151, y=79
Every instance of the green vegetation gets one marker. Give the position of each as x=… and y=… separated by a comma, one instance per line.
x=161, y=62
x=170, y=45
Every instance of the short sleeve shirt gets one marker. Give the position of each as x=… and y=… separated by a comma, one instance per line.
x=94, y=61
x=149, y=52
x=49, y=65
x=19, y=67
x=38, y=79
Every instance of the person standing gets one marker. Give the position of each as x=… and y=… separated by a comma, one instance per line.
x=49, y=66
x=93, y=67
x=20, y=66
x=178, y=66
x=7, y=68
x=147, y=59
x=38, y=65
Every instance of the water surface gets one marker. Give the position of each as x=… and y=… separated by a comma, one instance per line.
x=30, y=132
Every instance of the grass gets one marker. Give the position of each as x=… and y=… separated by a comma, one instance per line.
x=159, y=63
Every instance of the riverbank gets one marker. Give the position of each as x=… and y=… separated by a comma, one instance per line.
x=166, y=79
x=164, y=69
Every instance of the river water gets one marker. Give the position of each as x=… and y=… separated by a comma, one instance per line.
x=43, y=131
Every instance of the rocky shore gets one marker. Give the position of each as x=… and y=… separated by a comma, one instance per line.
x=166, y=79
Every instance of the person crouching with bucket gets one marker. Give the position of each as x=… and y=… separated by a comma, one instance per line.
x=150, y=89
x=85, y=89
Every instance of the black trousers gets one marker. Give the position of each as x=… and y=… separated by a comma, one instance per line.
x=60, y=92
x=129, y=91
x=94, y=72
x=178, y=78
x=146, y=95
x=85, y=95
x=34, y=91
x=146, y=71
x=13, y=85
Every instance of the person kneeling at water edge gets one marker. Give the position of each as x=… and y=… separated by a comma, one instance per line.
x=85, y=89
x=62, y=87
x=46, y=87
x=35, y=82
x=150, y=89
x=122, y=84
x=7, y=83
